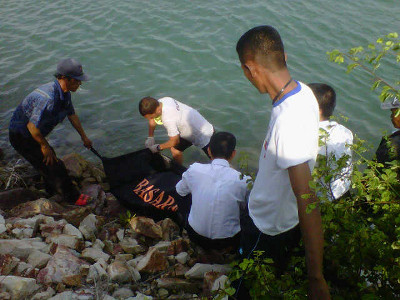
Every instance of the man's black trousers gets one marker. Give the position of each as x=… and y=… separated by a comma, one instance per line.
x=55, y=176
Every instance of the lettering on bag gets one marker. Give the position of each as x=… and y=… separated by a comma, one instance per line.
x=155, y=196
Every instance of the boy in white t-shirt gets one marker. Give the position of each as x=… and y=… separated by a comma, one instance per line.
x=277, y=208
x=185, y=126
x=336, y=141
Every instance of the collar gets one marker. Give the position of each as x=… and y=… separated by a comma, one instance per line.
x=287, y=95
x=220, y=162
x=326, y=123
x=60, y=91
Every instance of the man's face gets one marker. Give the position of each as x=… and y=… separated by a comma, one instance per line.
x=395, y=120
x=251, y=71
x=73, y=84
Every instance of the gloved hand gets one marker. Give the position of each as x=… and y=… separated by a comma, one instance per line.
x=149, y=142
x=155, y=148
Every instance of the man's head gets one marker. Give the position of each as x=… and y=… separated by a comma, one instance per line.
x=70, y=74
x=326, y=98
x=261, y=47
x=149, y=108
x=222, y=145
x=395, y=119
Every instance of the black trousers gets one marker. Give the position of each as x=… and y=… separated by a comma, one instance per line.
x=55, y=176
x=213, y=244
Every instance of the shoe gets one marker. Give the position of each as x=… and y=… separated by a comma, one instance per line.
x=82, y=200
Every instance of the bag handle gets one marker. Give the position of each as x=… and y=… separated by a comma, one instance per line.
x=96, y=153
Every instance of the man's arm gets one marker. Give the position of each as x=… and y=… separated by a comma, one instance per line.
x=311, y=229
x=76, y=123
x=48, y=153
x=152, y=127
x=172, y=142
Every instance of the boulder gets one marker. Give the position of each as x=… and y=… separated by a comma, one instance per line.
x=94, y=254
x=182, y=257
x=70, y=241
x=75, y=164
x=90, y=225
x=38, y=259
x=52, y=228
x=18, y=287
x=170, y=230
x=131, y=246
x=22, y=248
x=152, y=262
x=146, y=227
x=96, y=273
x=119, y=272
x=72, y=230
x=63, y=263
x=41, y=206
x=11, y=198
x=123, y=293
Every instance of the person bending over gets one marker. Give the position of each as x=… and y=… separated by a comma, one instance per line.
x=336, y=141
x=277, y=208
x=217, y=190
x=36, y=117
x=185, y=126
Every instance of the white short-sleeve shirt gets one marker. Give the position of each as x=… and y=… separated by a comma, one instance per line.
x=216, y=192
x=181, y=119
x=337, y=142
x=292, y=139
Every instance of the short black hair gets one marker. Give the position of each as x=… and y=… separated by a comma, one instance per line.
x=222, y=145
x=148, y=105
x=326, y=98
x=265, y=43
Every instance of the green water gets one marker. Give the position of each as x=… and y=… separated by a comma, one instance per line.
x=186, y=50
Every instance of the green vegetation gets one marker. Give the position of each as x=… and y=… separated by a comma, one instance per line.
x=362, y=230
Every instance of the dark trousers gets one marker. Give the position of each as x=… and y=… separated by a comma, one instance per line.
x=213, y=244
x=55, y=176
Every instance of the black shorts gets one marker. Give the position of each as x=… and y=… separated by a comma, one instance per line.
x=184, y=144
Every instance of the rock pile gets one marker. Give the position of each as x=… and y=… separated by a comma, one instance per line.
x=52, y=250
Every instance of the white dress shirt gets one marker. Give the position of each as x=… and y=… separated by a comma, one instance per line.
x=216, y=192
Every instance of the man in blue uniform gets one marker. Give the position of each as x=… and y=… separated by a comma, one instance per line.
x=36, y=117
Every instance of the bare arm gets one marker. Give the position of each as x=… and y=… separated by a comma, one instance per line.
x=152, y=127
x=49, y=157
x=76, y=123
x=311, y=229
x=172, y=142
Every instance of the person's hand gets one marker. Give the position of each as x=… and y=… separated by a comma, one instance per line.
x=319, y=289
x=155, y=148
x=87, y=142
x=150, y=141
x=49, y=157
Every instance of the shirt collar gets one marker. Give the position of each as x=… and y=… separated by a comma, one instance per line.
x=326, y=123
x=220, y=162
x=291, y=93
x=63, y=96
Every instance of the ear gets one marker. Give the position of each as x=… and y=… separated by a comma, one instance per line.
x=233, y=155
x=209, y=152
x=249, y=69
x=285, y=57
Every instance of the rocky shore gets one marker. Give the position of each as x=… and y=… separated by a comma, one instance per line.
x=52, y=250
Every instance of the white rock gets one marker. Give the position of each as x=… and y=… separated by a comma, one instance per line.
x=98, y=244
x=119, y=272
x=96, y=272
x=23, y=248
x=3, y=228
x=198, y=270
x=162, y=246
x=2, y=221
x=94, y=254
x=72, y=230
x=70, y=241
x=19, y=287
x=220, y=283
x=182, y=257
x=23, y=266
x=120, y=234
x=123, y=293
x=38, y=259
x=23, y=232
x=88, y=227
x=44, y=295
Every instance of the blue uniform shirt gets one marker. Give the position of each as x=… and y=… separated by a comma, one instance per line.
x=45, y=107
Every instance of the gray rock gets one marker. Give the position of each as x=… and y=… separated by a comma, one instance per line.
x=94, y=254
x=182, y=257
x=88, y=227
x=44, y=295
x=23, y=248
x=38, y=259
x=123, y=293
x=96, y=273
x=19, y=287
x=119, y=272
x=162, y=246
x=70, y=241
x=72, y=230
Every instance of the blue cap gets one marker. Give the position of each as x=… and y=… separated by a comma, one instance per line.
x=71, y=68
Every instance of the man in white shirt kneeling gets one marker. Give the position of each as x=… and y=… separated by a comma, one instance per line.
x=217, y=190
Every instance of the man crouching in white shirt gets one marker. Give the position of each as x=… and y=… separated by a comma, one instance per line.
x=217, y=190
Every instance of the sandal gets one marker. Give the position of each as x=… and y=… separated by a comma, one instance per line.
x=82, y=200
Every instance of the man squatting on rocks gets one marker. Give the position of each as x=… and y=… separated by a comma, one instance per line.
x=185, y=126
x=277, y=211
x=217, y=190
x=336, y=141
x=37, y=115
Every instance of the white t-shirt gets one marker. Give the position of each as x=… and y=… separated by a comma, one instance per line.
x=292, y=139
x=216, y=192
x=180, y=119
x=337, y=141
